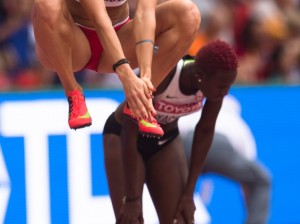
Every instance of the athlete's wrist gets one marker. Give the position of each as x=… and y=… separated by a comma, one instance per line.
x=124, y=72
x=120, y=62
x=146, y=72
x=127, y=199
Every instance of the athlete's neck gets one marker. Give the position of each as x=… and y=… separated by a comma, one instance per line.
x=187, y=79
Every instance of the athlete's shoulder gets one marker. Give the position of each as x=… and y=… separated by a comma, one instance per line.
x=188, y=57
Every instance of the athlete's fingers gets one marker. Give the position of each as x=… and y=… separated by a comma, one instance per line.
x=119, y=219
x=188, y=217
x=177, y=215
x=141, y=219
x=149, y=109
x=143, y=111
x=137, y=109
x=150, y=88
x=148, y=103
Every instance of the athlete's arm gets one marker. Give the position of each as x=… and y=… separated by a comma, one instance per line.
x=144, y=24
x=203, y=136
x=96, y=11
x=202, y=140
x=137, y=92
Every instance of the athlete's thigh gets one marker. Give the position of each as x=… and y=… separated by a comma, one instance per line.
x=166, y=17
x=80, y=49
x=166, y=177
x=164, y=21
x=167, y=14
x=80, y=52
x=125, y=35
x=114, y=169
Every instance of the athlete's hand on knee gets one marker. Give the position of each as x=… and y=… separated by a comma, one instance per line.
x=185, y=209
x=131, y=213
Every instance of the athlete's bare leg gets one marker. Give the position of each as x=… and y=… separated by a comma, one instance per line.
x=57, y=40
x=115, y=170
x=113, y=167
x=174, y=35
x=166, y=174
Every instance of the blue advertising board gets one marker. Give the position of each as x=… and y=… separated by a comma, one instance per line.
x=50, y=174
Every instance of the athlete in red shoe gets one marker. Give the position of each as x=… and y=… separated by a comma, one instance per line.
x=72, y=35
x=79, y=116
x=132, y=160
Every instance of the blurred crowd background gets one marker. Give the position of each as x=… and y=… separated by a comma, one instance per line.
x=264, y=33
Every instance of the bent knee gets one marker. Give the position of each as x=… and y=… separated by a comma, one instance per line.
x=190, y=17
x=47, y=12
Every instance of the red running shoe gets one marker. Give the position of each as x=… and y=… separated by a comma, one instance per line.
x=146, y=127
x=79, y=116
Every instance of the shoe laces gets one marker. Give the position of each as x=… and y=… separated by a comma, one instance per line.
x=74, y=104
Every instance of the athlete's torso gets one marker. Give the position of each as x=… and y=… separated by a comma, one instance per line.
x=117, y=11
x=172, y=103
x=111, y=3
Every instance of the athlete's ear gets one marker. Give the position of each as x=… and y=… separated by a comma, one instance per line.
x=201, y=75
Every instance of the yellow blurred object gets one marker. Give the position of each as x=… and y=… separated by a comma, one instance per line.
x=199, y=41
x=275, y=27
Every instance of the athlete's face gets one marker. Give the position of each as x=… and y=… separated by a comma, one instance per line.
x=216, y=86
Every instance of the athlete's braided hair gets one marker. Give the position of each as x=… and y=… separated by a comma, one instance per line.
x=215, y=56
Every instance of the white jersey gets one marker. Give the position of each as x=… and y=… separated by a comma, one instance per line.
x=172, y=103
x=111, y=3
